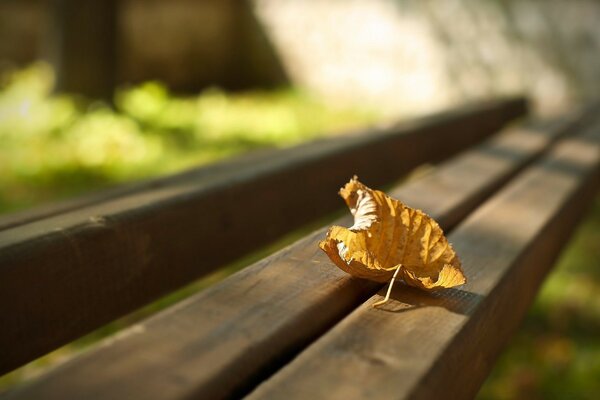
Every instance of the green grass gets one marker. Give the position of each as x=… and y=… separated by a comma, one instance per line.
x=55, y=146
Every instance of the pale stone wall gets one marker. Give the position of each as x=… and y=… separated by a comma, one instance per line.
x=414, y=55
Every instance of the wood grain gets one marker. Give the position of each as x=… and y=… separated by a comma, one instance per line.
x=64, y=276
x=218, y=343
x=431, y=346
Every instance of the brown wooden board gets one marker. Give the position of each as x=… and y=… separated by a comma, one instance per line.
x=63, y=276
x=432, y=346
x=218, y=343
x=485, y=119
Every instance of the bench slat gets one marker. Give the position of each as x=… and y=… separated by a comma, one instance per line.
x=431, y=346
x=216, y=343
x=66, y=275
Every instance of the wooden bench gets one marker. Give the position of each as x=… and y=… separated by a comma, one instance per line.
x=293, y=325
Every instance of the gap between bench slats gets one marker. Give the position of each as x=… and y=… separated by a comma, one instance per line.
x=431, y=346
x=219, y=342
x=494, y=113
x=66, y=275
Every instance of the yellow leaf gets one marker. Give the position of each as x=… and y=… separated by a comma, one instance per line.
x=389, y=240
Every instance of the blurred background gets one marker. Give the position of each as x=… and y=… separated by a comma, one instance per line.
x=97, y=93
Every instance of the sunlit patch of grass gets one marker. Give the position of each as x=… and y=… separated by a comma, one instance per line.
x=556, y=353
x=53, y=146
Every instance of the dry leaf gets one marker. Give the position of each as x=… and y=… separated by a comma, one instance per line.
x=389, y=240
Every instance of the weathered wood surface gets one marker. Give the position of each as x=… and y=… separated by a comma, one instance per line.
x=432, y=346
x=478, y=121
x=218, y=343
x=63, y=276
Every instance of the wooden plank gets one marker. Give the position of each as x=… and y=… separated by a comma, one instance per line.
x=477, y=120
x=63, y=276
x=431, y=346
x=216, y=343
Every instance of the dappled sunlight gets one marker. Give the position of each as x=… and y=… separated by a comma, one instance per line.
x=280, y=116
x=26, y=108
x=103, y=138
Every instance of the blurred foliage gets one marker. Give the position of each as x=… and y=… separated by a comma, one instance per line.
x=556, y=353
x=53, y=146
